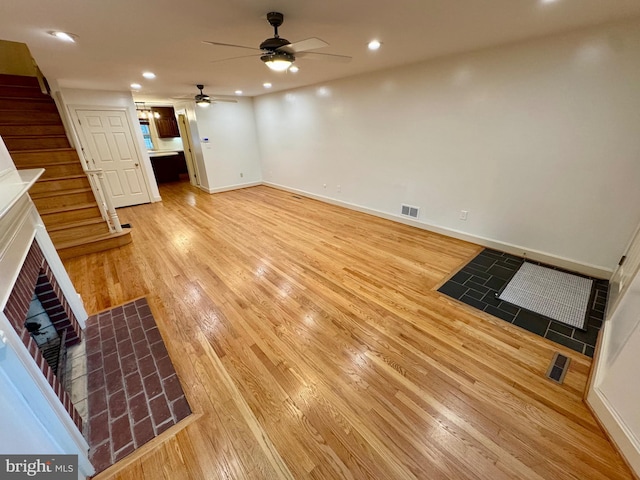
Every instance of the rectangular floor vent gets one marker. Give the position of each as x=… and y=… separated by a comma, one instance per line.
x=409, y=211
x=558, y=368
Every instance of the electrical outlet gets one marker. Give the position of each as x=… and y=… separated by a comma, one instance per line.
x=463, y=214
x=324, y=185
x=241, y=174
x=339, y=188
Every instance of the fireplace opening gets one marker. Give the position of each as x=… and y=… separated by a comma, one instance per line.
x=50, y=342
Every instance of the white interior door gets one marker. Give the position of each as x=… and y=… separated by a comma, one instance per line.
x=108, y=140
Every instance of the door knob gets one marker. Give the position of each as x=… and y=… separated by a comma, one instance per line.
x=136, y=164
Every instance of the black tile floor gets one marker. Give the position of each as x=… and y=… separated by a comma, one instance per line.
x=478, y=282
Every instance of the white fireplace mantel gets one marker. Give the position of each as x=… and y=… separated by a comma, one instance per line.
x=14, y=184
x=16, y=234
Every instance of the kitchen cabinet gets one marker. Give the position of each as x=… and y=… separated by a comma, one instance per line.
x=166, y=123
x=167, y=166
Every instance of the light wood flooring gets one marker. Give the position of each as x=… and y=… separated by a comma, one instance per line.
x=311, y=344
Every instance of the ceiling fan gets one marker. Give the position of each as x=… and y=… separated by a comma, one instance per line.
x=278, y=53
x=204, y=100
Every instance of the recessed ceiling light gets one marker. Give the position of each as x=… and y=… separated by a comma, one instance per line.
x=67, y=37
x=374, y=45
x=136, y=86
x=238, y=92
x=267, y=85
x=548, y=1
x=149, y=75
x=294, y=69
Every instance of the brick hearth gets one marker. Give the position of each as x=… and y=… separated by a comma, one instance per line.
x=133, y=391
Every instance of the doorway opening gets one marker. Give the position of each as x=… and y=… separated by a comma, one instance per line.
x=168, y=143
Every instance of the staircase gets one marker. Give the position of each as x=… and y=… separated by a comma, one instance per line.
x=32, y=130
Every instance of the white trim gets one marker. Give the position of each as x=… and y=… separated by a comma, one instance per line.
x=230, y=187
x=562, y=262
x=623, y=439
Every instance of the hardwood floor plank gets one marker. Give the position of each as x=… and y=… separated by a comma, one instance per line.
x=311, y=341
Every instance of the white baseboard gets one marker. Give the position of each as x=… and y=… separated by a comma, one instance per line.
x=566, y=263
x=615, y=428
x=230, y=187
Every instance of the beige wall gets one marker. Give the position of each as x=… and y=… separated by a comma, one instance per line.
x=15, y=59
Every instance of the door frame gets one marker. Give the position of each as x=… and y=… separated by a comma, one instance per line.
x=89, y=162
x=624, y=273
x=185, y=135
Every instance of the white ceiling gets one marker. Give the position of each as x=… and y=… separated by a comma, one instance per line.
x=119, y=39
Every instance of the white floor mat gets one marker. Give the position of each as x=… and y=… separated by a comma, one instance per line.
x=561, y=296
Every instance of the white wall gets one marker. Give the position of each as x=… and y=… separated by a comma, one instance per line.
x=538, y=141
x=102, y=98
x=230, y=158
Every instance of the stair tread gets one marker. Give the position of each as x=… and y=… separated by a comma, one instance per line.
x=76, y=223
x=71, y=208
x=47, y=135
x=56, y=164
x=64, y=177
x=28, y=81
x=43, y=99
x=91, y=239
x=43, y=150
x=59, y=192
x=32, y=94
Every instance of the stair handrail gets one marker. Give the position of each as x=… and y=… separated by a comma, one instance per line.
x=107, y=205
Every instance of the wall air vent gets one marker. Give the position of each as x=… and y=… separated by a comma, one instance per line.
x=409, y=211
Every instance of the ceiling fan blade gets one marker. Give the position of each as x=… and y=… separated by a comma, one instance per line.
x=304, y=45
x=235, y=58
x=324, y=56
x=227, y=100
x=229, y=45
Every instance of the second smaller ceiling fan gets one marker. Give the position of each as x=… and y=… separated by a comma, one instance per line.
x=204, y=100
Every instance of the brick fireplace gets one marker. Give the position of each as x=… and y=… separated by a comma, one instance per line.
x=36, y=277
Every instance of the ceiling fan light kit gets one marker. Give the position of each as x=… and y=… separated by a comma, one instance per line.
x=278, y=61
